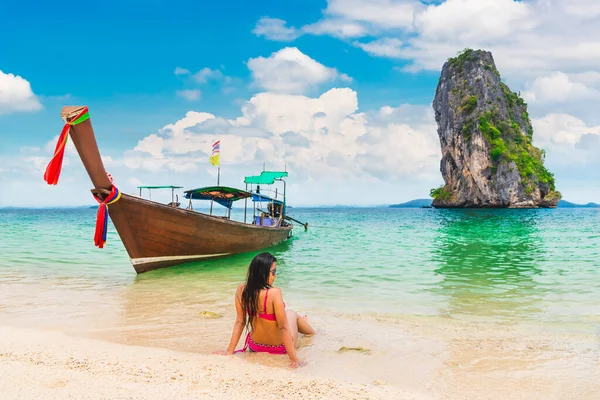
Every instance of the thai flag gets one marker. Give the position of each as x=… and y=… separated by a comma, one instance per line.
x=216, y=147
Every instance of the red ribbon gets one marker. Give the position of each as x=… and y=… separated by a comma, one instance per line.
x=55, y=165
x=102, y=216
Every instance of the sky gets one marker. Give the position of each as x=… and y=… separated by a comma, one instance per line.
x=338, y=92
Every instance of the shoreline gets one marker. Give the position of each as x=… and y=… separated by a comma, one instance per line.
x=418, y=360
x=43, y=364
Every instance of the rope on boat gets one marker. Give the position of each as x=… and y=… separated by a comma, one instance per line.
x=55, y=165
x=102, y=216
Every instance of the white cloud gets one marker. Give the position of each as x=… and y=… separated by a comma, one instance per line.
x=202, y=76
x=327, y=143
x=190, y=94
x=133, y=181
x=330, y=148
x=529, y=39
x=181, y=71
x=152, y=145
x=480, y=20
x=345, y=19
x=206, y=74
x=16, y=95
x=320, y=139
x=290, y=71
x=345, y=78
x=337, y=28
x=591, y=78
x=382, y=13
x=568, y=140
x=275, y=29
x=384, y=47
x=586, y=9
x=559, y=88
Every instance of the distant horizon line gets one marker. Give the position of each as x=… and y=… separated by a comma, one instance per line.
x=292, y=206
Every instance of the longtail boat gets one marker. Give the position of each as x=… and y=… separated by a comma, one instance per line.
x=158, y=235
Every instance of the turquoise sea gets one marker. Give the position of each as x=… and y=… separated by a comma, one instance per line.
x=376, y=278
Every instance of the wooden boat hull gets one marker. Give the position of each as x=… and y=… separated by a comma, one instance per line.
x=157, y=236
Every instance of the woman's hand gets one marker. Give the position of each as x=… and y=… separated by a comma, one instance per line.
x=297, y=363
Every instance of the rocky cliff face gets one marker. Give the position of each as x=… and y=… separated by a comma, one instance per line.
x=485, y=134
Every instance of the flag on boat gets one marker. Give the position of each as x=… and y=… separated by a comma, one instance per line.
x=215, y=158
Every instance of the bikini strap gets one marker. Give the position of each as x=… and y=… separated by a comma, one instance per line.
x=245, y=344
x=265, y=305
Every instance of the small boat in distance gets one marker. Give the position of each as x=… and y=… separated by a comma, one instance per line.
x=158, y=235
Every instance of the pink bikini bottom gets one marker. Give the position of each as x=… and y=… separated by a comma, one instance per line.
x=262, y=348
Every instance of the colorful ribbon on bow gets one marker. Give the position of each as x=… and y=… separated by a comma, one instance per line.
x=102, y=216
x=55, y=165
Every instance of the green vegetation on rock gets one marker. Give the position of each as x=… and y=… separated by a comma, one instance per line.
x=441, y=193
x=469, y=55
x=554, y=195
x=462, y=57
x=467, y=130
x=469, y=104
x=507, y=143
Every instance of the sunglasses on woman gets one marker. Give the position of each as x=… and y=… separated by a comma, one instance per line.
x=274, y=271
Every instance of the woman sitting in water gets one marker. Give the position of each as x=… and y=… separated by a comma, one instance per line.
x=271, y=328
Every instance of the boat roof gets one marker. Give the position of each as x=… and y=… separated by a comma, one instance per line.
x=160, y=187
x=267, y=199
x=265, y=177
x=223, y=195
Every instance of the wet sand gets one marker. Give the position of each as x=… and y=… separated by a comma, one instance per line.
x=46, y=364
x=353, y=356
x=113, y=344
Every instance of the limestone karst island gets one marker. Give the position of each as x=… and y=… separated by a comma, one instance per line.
x=488, y=159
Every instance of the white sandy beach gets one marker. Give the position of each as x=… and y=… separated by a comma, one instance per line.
x=46, y=364
x=37, y=363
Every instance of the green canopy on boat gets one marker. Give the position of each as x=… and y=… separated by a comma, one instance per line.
x=265, y=177
x=160, y=187
x=221, y=194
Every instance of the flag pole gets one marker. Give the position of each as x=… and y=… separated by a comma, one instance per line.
x=218, y=175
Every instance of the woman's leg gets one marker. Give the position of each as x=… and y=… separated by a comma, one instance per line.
x=304, y=327
x=292, y=318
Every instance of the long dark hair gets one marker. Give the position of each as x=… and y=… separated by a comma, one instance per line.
x=258, y=279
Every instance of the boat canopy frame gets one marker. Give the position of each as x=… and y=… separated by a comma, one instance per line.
x=150, y=187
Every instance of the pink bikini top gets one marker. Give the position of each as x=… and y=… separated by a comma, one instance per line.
x=268, y=317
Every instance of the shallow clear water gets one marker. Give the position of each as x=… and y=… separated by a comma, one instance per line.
x=511, y=265
x=471, y=291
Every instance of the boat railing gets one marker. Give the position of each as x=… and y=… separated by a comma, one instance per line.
x=174, y=198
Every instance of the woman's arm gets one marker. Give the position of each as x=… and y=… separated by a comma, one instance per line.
x=238, y=326
x=282, y=323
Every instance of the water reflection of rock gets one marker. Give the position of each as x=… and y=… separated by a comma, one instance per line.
x=487, y=259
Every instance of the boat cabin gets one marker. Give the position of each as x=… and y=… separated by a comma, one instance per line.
x=269, y=206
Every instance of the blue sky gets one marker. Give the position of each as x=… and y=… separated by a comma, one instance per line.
x=247, y=70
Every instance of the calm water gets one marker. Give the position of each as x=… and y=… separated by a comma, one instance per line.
x=442, y=299
x=498, y=265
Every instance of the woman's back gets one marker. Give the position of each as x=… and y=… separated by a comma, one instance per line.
x=264, y=325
